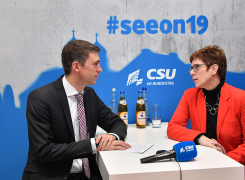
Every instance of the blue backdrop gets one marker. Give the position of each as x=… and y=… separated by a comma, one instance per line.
x=165, y=76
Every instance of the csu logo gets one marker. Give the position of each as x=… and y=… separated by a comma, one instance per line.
x=182, y=150
x=160, y=74
x=133, y=77
x=187, y=149
x=152, y=74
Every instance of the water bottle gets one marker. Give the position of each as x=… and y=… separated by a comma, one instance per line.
x=113, y=101
x=144, y=94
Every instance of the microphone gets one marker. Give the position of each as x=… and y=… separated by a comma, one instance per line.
x=183, y=151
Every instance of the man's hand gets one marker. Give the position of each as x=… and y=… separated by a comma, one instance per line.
x=119, y=145
x=105, y=141
x=204, y=141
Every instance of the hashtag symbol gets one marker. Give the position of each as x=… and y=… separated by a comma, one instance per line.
x=112, y=24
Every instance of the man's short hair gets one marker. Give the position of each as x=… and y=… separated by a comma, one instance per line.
x=212, y=55
x=77, y=50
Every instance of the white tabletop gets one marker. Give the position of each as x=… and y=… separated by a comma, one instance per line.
x=209, y=163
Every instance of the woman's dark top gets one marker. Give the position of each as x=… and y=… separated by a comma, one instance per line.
x=211, y=97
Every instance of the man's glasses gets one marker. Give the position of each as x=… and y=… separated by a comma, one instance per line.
x=195, y=67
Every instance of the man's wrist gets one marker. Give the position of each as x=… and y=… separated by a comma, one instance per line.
x=95, y=143
x=116, y=136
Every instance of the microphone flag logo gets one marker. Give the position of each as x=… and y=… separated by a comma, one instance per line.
x=182, y=150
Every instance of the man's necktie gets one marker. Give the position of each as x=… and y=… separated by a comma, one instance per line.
x=82, y=129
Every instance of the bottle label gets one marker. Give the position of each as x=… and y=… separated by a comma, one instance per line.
x=123, y=102
x=141, y=101
x=140, y=117
x=124, y=116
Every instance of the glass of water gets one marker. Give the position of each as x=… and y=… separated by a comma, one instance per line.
x=156, y=115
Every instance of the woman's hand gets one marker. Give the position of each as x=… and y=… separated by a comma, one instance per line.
x=219, y=146
x=204, y=141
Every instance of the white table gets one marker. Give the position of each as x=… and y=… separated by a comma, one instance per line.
x=208, y=165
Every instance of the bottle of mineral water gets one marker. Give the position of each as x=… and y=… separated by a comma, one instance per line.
x=113, y=101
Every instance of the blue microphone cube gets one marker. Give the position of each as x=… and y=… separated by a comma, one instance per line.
x=185, y=151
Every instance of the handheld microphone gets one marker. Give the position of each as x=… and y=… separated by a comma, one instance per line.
x=183, y=151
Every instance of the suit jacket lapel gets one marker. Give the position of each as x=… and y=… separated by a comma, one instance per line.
x=201, y=110
x=223, y=107
x=64, y=102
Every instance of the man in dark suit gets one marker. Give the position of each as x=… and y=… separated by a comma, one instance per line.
x=56, y=120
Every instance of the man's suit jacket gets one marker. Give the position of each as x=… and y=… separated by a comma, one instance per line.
x=52, y=145
x=230, y=120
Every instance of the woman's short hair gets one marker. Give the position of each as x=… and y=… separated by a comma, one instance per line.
x=212, y=55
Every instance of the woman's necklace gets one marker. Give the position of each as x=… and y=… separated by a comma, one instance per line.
x=213, y=110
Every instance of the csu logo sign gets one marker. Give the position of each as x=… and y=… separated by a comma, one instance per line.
x=160, y=74
x=133, y=77
x=182, y=150
x=187, y=149
x=153, y=74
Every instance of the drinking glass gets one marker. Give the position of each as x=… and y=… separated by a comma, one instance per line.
x=156, y=115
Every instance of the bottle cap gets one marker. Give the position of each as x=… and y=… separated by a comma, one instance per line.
x=122, y=92
x=140, y=91
x=113, y=89
x=143, y=88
